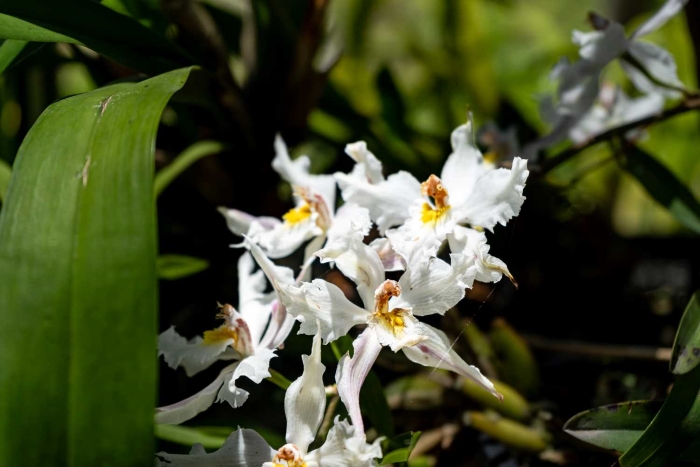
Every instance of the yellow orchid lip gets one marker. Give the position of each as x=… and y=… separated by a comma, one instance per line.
x=390, y=318
x=296, y=215
x=434, y=188
x=225, y=331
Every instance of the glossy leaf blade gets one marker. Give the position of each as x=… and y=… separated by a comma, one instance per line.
x=686, y=348
x=5, y=174
x=78, y=286
x=117, y=36
x=616, y=426
x=664, y=187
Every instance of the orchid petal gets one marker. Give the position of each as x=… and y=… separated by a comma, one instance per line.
x=305, y=400
x=350, y=218
x=322, y=302
x=471, y=245
x=358, y=262
x=464, y=166
x=287, y=237
x=391, y=260
x=255, y=306
x=243, y=448
x=367, y=165
x=275, y=274
x=296, y=173
x=280, y=326
x=255, y=367
x=240, y=222
x=602, y=46
x=194, y=355
x=436, y=351
x=432, y=286
x=345, y=446
x=186, y=409
x=352, y=372
x=659, y=63
x=388, y=201
x=498, y=196
x=665, y=13
x=416, y=240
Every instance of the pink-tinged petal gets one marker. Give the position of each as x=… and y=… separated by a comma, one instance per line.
x=243, y=448
x=352, y=371
x=436, y=351
x=346, y=446
x=497, y=197
x=186, y=409
x=432, y=286
x=305, y=400
x=669, y=9
x=296, y=173
x=388, y=201
x=255, y=367
x=193, y=355
x=280, y=326
x=391, y=260
x=255, y=306
x=358, y=262
x=239, y=222
x=367, y=165
x=323, y=304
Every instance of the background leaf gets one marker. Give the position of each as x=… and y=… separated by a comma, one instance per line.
x=9, y=51
x=686, y=348
x=173, y=267
x=184, y=160
x=5, y=174
x=664, y=187
x=399, y=448
x=78, y=282
x=117, y=36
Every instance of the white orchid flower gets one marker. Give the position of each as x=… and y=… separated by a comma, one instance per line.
x=469, y=190
x=304, y=406
x=249, y=335
x=313, y=217
x=651, y=69
x=390, y=309
x=481, y=266
x=614, y=108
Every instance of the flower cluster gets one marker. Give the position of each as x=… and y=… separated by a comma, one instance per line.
x=414, y=220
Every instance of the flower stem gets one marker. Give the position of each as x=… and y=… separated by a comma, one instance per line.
x=278, y=379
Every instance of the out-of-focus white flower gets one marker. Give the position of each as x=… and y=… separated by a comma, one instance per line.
x=470, y=190
x=249, y=335
x=651, y=69
x=304, y=406
x=614, y=108
x=390, y=309
x=313, y=217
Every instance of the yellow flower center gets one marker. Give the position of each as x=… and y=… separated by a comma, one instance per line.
x=290, y=454
x=393, y=318
x=428, y=214
x=296, y=215
x=434, y=188
x=219, y=334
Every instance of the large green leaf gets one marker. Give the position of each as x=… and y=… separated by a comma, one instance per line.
x=117, y=36
x=686, y=348
x=673, y=428
x=616, y=426
x=5, y=174
x=78, y=286
x=664, y=187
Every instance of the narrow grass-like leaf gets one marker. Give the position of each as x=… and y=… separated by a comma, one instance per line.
x=173, y=267
x=78, y=286
x=188, y=436
x=185, y=159
x=686, y=348
x=616, y=426
x=664, y=187
x=5, y=174
x=117, y=36
x=9, y=51
x=399, y=448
